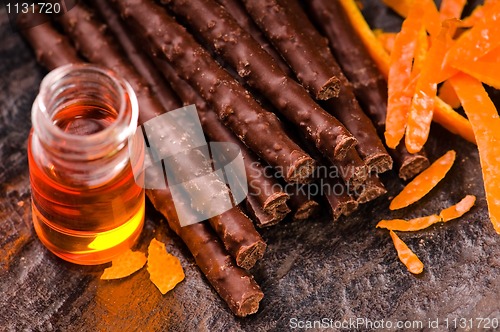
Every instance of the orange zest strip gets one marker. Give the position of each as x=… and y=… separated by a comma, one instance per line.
x=448, y=95
x=376, y=50
x=479, y=40
x=459, y=209
x=406, y=256
x=398, y=103
x=165, y=270
x=124, y=265
x=432, y=20
x=492, y=56
x=421, y=49
x=387, y=40
x=478, y=13
x=485, y=122
x=486, y=72
x=416, y=224
x=411, y=225
x=424, y=182
x=452, y=121
x=422, y=107
x=402, y=7
x=451, y=8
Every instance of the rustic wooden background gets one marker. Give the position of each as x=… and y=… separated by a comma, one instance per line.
x=311, y=270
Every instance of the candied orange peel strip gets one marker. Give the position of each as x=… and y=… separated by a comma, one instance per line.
x=459, y=209
x=448, y=95
x=401, y=62
x=402, y=7
x=417, y=224
x=406, y=256
x=451, y=8
x=411, y=225
x=486, y=125
x=387, y=40
x=443, y=113
x=124, y=265
x=424, y=182
x=165, y=270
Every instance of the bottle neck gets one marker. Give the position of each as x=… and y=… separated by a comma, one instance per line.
x=82, y=119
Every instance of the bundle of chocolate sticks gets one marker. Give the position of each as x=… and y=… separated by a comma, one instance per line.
x=293, y=95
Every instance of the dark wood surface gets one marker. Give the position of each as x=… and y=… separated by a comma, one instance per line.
x=312, y=270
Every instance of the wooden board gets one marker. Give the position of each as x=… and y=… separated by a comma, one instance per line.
x=312, y=271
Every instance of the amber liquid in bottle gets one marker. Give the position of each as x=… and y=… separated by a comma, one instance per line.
x=84, y=222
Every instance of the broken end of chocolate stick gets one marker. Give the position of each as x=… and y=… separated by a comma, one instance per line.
x=263, y=218
x=413, y=165
x=301, y=170
x=306, y=210
x=372, y=189
x=276, y=202
x=330, y=89
x=344, y=145
x=249, y=303
x=379, y=163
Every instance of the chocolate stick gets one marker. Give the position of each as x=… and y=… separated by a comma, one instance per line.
x=240, y=15
x=302, y=205
x=235, y=285
x=139, y=59
x=345, y=107
x=274, y=19
x=233, y=226
x=369, y=85
x=258, y=68
x=51, y=48
x=338, y=197
x=268, y=201
x=260, y=130
x=372, y=189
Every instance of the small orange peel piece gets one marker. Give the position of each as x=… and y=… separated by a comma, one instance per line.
x=406, y=256
x=486, y=125
x=409, y=225
x=124, y=265
x=416, y=224
x=448, y=95
x=424, y=182
x=459, y=209
x=165, y=270
x=451, y=8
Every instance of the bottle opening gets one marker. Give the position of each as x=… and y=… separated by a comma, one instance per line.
x=83, y=119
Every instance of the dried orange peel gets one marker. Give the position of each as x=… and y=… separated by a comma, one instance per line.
x=424, y=182
x=443, y=113
x=459, y=209
x=165, y=270
x=124, y=265
x=486, y=125
x=406, y=256
x=448, y=95
x=451, y=8
x=412, y=225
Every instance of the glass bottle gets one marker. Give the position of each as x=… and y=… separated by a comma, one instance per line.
x=87, y=206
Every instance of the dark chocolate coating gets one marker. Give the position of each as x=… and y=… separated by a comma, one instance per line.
x=139, y=59
x=303, y=207
x=234, y=228
x=372, y=188
x=262, y=187
x=236, y=9
x=51, y=48
x=284, y=31
x=341, y=203
x=237, y=48
x=260, y=130
x=369, y=85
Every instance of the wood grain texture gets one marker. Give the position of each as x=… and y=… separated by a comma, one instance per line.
x=311, y=270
